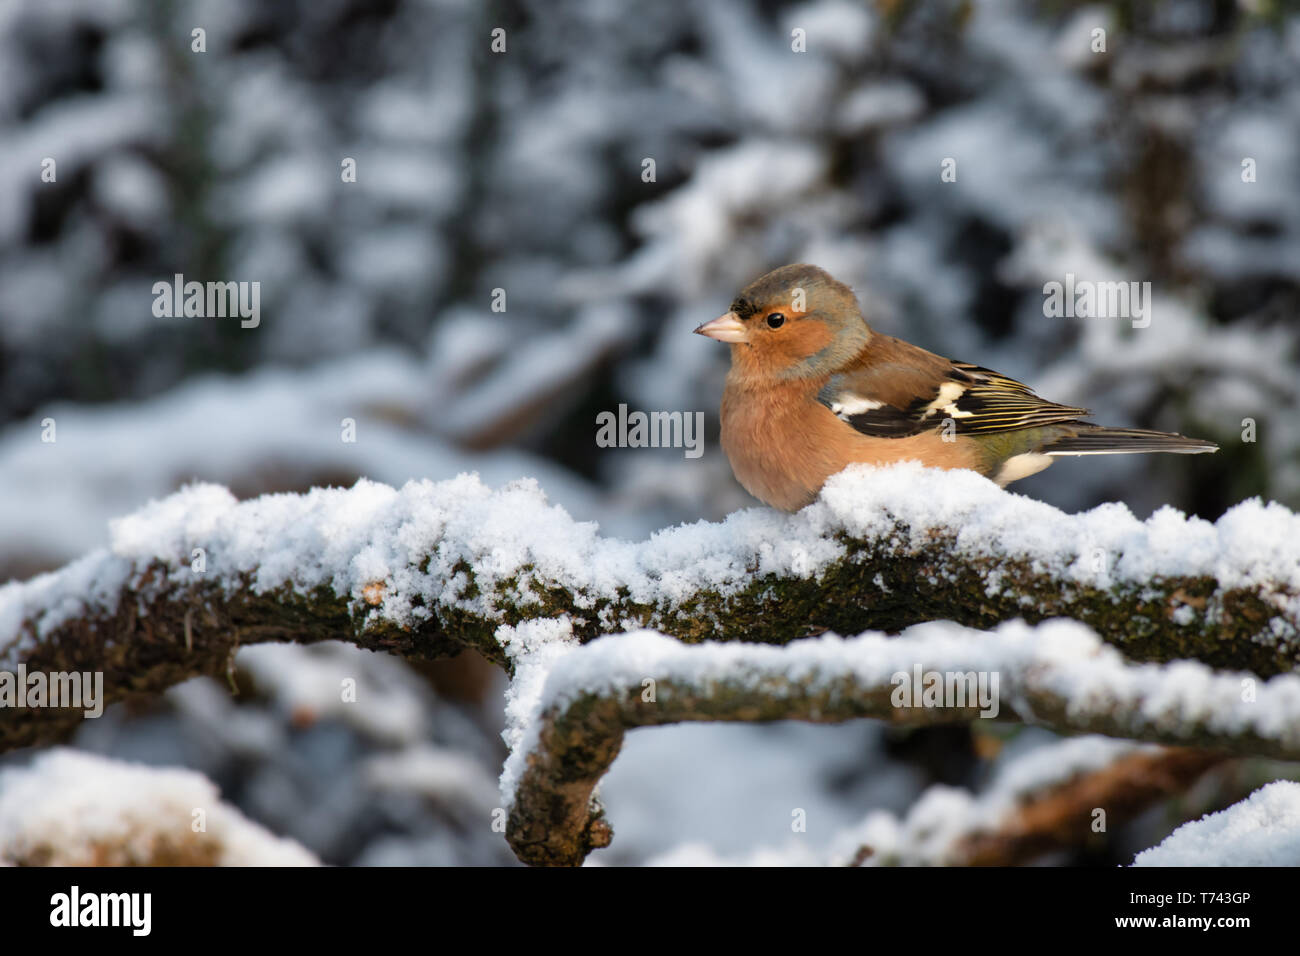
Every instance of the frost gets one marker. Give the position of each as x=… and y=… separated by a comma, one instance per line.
x=347, y=539
x=1262, y=830
x=76, y=809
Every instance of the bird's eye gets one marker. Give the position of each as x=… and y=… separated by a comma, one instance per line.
x=775, y=320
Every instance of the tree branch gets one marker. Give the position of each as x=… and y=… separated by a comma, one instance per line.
x=1062, y=816
x=1058, y=675
x=431, y=569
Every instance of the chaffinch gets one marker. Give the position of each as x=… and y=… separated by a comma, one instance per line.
x=812, y=388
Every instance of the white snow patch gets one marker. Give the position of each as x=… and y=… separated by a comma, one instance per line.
x=1262, y=830
x=1065, y=657
x=514, y=539
x=80, y=806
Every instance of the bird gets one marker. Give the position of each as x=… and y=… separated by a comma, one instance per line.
x=813, y=388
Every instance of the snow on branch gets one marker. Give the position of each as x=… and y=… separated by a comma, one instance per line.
x=433, y=568
x=77, y=809
x=1262, y=830
x=1023, y=816
x=1039, y=801
x=571, y=705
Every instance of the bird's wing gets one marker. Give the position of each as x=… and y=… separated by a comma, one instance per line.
x=896, y=390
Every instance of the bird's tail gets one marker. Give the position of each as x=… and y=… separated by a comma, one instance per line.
x=1098, y=440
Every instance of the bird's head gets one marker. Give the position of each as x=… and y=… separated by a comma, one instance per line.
x=795, y=322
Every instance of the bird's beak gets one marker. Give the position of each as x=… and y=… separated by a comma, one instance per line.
x=725, y=328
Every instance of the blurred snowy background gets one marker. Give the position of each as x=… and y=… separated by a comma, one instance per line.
x=523, y=171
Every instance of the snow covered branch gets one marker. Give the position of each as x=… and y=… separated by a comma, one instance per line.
x=431, y=569
x=1262, y=830
x=1060, y=675
x=77, y=809
x=1064, y=815
x=1047, y=799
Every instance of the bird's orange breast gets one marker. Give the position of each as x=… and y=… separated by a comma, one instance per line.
x=783, y=444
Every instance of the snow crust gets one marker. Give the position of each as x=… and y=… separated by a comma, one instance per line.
x=1262, y=830
x=346, y=539
x=78, y=806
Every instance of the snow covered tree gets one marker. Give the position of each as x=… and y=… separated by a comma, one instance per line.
x=468, y=250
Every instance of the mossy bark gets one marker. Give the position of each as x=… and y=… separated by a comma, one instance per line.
x=556, y=819
x=161, y=631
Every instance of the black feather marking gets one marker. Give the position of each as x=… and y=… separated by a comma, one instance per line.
x=978, y=373
x=888, y=422
x=744, y=308
x=983, y=402
x=992, y=407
